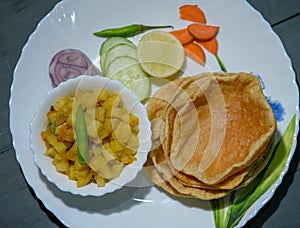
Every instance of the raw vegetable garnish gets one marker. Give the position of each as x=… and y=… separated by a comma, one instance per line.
x=118, y=61
x=81, y=136
x=129, y=30
x=70, y=63
x=192, y=13
x=198, y=35
x=160, y=54
x=238, y=207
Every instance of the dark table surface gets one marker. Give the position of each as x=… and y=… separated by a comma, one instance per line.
x=19, y=205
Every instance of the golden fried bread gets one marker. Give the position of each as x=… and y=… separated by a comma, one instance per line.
x=212, y=133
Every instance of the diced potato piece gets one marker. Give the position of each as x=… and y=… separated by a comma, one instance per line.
x=72, y=153
x=62, y=106
x=83, y=181
x=127, y=159
x=123, y=132
x=135, y=129
x=100, y=113
x=69, y=120
x=108, y=153
x=64, y=132
x=96, y=148
x=133, y=120
x=117, y=100
x=116, y=145
x=80, y=167
x=119, y=113
x=99, y=180
x=92, y=128
x=133, y=142
x=100, y=127
x=50, y=152
x=70, y=102
x=60, y=156
x=60, y=103
x=130, y=152
x=44, y=135
x=107, y=105
x=103, y=95
x=61, y=118
x=89, y=115
x=115, y=122
x=60, y=147
x=82, y=173
x=62, y=166
x=71, y=173
x=99, y=164
x=52, y=116
x=107, y=128
x=96, y=161
x=88, y=100
x=116, y=168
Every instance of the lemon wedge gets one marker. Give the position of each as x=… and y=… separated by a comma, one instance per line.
x=160, y=54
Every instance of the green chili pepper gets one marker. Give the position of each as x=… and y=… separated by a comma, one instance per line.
x=81, y=136
x=127, y=31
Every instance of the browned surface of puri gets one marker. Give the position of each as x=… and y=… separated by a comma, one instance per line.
x=212, y=133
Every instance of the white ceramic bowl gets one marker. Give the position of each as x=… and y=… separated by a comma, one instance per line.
x=40, y=121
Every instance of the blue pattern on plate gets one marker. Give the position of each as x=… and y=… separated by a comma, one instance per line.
x=277, y=107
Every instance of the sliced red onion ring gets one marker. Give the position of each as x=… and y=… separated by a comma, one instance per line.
x=70, y=63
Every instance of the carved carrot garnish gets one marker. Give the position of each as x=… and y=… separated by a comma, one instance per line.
x=198, y=35
x=192, y=13
x=210, y=45
x=202, y=31
x=195, y=52
x=183, y=36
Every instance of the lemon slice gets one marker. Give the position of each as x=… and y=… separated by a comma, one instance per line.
x=160, y=54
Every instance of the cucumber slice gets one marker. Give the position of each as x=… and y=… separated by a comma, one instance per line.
x=102, y=59
x=116, y=51
x=135, y=79
x=120, y=63
x=111, y=42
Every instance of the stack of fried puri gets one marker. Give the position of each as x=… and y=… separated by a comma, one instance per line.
x=211, y=133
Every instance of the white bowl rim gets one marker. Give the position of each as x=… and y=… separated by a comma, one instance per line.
x=62, y=181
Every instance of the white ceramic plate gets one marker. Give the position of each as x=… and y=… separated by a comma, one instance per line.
x=246, y=43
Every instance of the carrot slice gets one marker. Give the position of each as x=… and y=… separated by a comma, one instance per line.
x=210, y=45
x=195, y=52
x=202, y=31
x=183, y=35
x=192, y=13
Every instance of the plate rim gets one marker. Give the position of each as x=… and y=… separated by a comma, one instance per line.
x=269, y=194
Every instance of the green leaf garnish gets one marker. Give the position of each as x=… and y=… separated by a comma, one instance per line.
x=238, y=208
